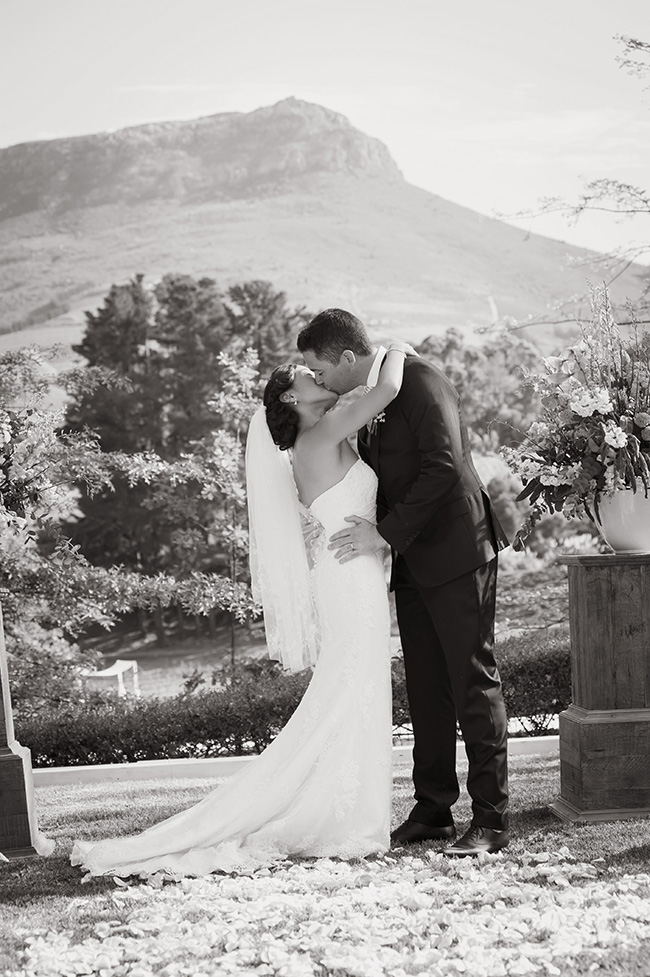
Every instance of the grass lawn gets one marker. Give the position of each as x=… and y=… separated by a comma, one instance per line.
x=41, y=896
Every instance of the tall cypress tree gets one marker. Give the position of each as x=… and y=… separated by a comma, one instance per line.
x=191, y=329
x=261, y=319
x=115, y=527
x=117, y=337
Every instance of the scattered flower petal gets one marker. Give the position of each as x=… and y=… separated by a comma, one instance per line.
x=495, y=916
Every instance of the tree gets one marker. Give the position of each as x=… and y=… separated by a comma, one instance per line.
x=261, y=319
x=190, y=331
x=125, y=418
x=116, y=334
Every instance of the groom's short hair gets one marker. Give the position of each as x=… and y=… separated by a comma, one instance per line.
x=331, y=332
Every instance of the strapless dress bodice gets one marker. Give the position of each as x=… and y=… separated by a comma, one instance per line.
x=355, y=494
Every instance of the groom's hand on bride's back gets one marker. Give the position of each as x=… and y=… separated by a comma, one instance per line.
x=360, y=537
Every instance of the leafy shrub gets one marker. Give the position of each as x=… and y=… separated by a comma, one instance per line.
x=251, y=708
x=242, y=718
x=535, y=670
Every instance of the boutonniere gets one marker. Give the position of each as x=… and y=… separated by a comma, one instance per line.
x=377, y=419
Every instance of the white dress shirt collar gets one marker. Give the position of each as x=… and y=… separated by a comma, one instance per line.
x=373, y=376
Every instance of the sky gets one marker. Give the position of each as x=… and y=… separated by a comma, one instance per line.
x=493, y=104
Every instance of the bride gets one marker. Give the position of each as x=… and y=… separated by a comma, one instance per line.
x=323, y=786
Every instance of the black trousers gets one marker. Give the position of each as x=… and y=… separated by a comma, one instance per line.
x=447, y=637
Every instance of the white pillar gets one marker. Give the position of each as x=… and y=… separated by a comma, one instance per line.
x=19, y=834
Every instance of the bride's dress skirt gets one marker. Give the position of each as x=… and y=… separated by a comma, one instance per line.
x=323, y=786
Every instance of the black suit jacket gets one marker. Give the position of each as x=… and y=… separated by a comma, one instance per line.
x=432, y=507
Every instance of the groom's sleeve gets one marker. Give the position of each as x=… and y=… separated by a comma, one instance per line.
x=430, y=405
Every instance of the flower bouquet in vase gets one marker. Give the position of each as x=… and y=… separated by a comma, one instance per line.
x=588, y=454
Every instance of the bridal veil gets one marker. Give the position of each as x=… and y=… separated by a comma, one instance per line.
x=280, y=577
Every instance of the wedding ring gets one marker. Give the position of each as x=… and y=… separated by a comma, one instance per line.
x=351, y=546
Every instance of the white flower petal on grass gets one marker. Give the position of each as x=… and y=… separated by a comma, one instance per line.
x=488, y=917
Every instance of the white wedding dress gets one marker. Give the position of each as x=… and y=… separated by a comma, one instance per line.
x=323, y=786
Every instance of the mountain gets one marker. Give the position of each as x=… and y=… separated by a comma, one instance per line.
x=292, y=193
x=221, y=157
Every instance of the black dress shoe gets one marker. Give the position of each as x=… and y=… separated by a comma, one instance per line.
x=478, y=839
x=412, y=831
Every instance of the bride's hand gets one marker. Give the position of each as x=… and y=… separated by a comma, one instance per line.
x=361, y=537
x=405, y=348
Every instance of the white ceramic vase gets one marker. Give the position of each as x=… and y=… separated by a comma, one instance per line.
x=625, y=520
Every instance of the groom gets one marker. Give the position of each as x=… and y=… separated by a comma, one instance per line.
x=434, y=511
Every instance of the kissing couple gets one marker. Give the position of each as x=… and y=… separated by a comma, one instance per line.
x=321, y=516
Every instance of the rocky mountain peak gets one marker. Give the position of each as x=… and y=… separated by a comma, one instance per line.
x=229, y=155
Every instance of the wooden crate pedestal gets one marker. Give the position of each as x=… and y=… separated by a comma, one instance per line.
x=605, y=732
x=19, y=834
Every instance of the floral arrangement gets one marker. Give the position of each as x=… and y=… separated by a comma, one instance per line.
x=593, y=435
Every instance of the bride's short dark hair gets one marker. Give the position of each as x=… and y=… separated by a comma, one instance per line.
x=282, y=419
x=331, y=332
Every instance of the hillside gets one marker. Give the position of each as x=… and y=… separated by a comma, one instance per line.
x=291, y=193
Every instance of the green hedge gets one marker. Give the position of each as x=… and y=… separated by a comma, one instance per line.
x=535, y=670
x=246, y=715
x=242, y=718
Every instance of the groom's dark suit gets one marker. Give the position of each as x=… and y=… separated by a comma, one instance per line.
x=435, y=512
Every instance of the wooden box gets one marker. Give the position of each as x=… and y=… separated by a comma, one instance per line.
x=605, y=732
